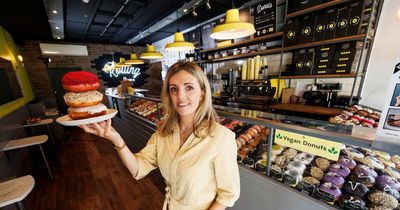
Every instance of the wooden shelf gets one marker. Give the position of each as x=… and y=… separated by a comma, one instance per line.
x=246, y=42
x=319, y=76
x=264, y=52
x=325, y=42
x=317, y=7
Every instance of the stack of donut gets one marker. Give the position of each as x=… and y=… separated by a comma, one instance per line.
x=82, y=98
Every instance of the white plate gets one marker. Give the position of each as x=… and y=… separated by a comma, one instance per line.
x=65, y=120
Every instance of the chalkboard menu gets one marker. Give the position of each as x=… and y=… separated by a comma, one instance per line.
x=265, y=18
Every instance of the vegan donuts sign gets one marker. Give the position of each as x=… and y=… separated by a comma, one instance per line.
x=308, y=144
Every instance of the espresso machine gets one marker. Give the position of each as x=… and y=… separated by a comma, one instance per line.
x=322, y=94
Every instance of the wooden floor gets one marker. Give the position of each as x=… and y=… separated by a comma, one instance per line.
x=92, y=176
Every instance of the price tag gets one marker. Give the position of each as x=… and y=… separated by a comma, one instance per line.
x=290, y=180
x=353, y=206
x=307, y=188
x=324, y=196
x=276, y=175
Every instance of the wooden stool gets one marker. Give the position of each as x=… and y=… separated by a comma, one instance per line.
x=26, y=142
x=15, y=190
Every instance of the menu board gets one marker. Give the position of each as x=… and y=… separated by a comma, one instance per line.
x=265, y=18
x=389, y=124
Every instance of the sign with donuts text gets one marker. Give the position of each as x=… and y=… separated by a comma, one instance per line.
x=312, y=145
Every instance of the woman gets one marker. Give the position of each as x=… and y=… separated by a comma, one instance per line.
x=195, y=154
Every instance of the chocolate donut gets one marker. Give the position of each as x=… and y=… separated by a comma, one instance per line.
x=355, y=188
x=347, y=198
x=366, y=180
x=339, y=169
x=334, y=178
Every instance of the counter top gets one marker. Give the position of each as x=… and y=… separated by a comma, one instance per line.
x=320, y=110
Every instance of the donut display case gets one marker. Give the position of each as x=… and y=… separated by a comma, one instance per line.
x=364, y=175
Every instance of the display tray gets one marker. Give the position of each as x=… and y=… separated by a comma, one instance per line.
x=66, y=121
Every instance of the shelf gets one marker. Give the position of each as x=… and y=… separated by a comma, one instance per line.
x=233, y=57
x=319, y=76
x=246, y=42
x=317, y=7
x=360, y=37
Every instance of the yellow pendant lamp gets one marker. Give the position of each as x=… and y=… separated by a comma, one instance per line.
x=232, y=28
x=179, y=44
x=134, y=60
x=151, y=53
x=121, y=63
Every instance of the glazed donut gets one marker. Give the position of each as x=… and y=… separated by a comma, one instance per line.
x=373, y=162
x=393, y=172
x=83, y=99
x=383, y=155
x=87, y=112
x=80, y=81
x=386, y=162
x=353, y=153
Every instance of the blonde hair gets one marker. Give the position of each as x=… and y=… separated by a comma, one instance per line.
x=205, y=116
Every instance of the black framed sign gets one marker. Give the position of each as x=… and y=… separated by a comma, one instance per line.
x=265, y=18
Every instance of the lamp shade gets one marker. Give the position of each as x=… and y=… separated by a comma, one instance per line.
x=179, y=44
x=151, y=53
x=121, y=63
x=134, y=60
x=232, y=28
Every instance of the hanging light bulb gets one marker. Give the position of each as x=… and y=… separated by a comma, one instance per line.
x=208, y=4
x=232, y=28
x=134, y=60
x=151, y=53
x=194, y=12
x=179, y=43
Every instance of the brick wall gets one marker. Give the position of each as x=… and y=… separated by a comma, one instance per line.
x=37, y=72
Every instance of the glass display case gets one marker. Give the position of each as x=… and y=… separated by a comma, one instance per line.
x=306, y=159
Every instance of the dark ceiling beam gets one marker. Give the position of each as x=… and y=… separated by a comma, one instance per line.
x=107, y=13
x=139, y=3
x=91, y=18
x=105, y=24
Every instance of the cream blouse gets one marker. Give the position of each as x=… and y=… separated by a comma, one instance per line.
x=202, y=171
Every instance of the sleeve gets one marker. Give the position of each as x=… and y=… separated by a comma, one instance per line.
x=147, y=158
x=227, y=172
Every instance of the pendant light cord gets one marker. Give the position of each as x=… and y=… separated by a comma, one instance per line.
x=233, y=5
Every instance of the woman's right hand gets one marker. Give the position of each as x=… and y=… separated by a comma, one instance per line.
x=103, y=129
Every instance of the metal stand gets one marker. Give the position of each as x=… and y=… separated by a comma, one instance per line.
x=45, y=161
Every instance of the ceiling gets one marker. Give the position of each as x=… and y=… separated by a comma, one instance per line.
x=86, y=22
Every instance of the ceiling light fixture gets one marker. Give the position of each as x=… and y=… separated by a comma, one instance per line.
x=58, y=37
x=121, y=63
x=134, y=60
x=20, y=58
x=233, y=28
x=398, y=15
x=57, y=27
x=151, y=53
x=85, y=1
x=55, y=11
x=185, y=10
x=208, y=4
x=179, y=43
x=194, y=12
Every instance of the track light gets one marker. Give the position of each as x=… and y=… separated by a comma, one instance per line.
x=208, y=4
x=194, y=12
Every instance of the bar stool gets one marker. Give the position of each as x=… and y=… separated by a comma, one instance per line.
x=26, y=142
x=15, y=191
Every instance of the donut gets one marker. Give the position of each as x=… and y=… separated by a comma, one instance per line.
x=366, y=180
x=241, y=141
x=347, y=162
x=387, y=181
x=349, y=114
x=339, y=169
x=87, y=112
x=386, y=162
x=353, y=153
x=383, y=155
x=367, y=152
x=316, y=173
x=80, y=81
x=252, y=132
x=244, y=137
x=393, y=172
x=365, y=170
x=373, y=163
x=276, y=168
x=277, y=149
x=382, y=198
x=304, y=158
x=378, y=207
x=322, y=163
x=296, y=166
x=334, y=178
x=355, y=188
x=310, y=180
x=83, y=99
x=331, y=189
x=281, y=161
x=229, y=126
x=290, y=153
x=258, y=129
x=242, y=154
